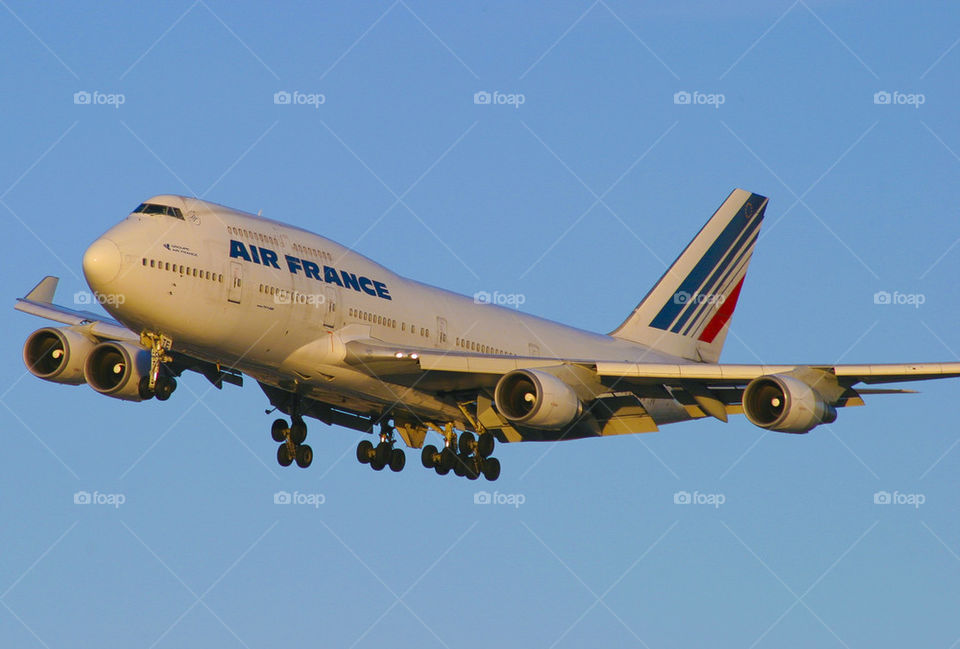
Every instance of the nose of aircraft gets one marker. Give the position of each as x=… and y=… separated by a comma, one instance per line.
x=101, y=262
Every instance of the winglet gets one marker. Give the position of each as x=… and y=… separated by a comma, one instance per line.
x=43, y=292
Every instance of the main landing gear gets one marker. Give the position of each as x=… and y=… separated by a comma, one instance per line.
x=291, y=438
x=383, y=454
x=472, y=460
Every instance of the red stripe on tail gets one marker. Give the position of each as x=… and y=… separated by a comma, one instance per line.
x=722, y=316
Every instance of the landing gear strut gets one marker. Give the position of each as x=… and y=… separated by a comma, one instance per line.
x=383, y=454
x=291, y=438
x=155, y=384
x=467, y=455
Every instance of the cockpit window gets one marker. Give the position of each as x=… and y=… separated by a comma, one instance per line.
x=153, y=208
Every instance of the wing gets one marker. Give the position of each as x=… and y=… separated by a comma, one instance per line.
x=39, y=302
x=627, y=397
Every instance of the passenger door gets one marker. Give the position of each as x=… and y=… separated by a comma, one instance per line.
x=235, y=290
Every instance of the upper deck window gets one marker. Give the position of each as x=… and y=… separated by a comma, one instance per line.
x=153, y=208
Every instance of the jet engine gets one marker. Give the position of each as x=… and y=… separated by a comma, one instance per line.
x=57, y=354
x=538, y=399
x=785, y=404
x=115, y=369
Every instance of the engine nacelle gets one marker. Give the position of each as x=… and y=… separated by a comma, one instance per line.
x=115, y=369
x=785, y=404
x=537, y=399
x=57, y=354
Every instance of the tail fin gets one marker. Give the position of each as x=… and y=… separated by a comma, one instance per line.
x=687, y=313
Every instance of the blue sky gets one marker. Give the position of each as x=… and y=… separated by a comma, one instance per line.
x=575, y=199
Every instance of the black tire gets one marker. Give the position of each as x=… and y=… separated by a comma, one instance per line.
x=485, y=445
x=364, y=451
x=283, y=455
x=376, y=465
x=304, y=456
x=398, y=460
x=427, y=455
x=144, y=388
x=460, y=466
x=383, y=453
x=278, y=431
x=447, y=459
x=466, y=443
x=164, y=387
x=441, y=470
x=298, y=432
x=491, y=468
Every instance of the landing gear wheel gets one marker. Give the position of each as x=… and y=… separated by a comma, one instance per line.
x=466, y=443
x=491, y=468
x=298, y=432
x=485, y=445
x=383, y=451
x=376, y=464
x=364, y=451
x=460, y=465
x=164, y=387
x=278, y=431
x=441, y=469
x=304, y=456
x=398, y=460
x=427, y=455
x=144, y=388
x=447, y=460
x=283, y=455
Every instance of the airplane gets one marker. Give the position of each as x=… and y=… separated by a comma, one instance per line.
x=329, y=334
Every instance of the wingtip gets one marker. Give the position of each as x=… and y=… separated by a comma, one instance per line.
x=44, y=291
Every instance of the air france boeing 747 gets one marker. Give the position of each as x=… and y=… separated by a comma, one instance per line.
x=330, y=334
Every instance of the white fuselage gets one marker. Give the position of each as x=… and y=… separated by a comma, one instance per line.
x=276, y=302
